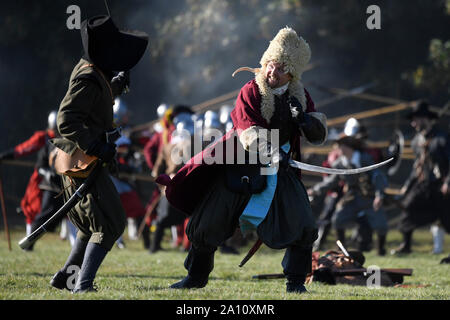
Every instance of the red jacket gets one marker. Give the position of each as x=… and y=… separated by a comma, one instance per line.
x=31, y=201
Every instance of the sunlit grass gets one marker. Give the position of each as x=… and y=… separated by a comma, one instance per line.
x=132, y=273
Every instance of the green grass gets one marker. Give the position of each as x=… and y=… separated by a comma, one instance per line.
x=132, y=273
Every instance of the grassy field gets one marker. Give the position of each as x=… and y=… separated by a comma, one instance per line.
x=132, y=273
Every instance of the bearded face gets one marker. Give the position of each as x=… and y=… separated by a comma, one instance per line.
x=276, y=76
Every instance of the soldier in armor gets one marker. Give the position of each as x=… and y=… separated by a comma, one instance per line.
x=33, y=203
x=361, y=195
x=181, y=142
x=426, y=191
x=129, y=197
x=335, y=192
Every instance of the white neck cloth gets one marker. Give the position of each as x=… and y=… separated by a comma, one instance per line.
x=281, y=90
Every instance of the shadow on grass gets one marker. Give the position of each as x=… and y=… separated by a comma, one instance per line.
x=142, y=276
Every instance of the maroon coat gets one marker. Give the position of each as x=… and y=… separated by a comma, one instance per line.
x=188, y=186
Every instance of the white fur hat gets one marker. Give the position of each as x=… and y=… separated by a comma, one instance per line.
x=294, y=53
x=290, y=50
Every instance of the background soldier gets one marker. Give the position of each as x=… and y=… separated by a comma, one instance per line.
x=84, y=117
x=31, y=203
x=377, y=220
x=126, y=187
x=50, y=183
x=180, y=139
x=362, y=195
x=426, y=192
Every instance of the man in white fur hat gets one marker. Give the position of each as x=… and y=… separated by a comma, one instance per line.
x=280, y=213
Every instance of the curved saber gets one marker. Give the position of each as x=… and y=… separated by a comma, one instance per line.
x=312, y=168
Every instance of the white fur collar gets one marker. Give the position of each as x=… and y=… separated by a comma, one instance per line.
x=296, y=89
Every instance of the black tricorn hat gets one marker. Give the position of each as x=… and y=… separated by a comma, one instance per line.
x=421, y=109
x=109, y=48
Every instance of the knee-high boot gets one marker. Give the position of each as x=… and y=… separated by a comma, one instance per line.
x=405, y=246
x=72, y=265
x=93, y=258
x=199, y=263
x=364, y=233
x=381, y=243
x=297, y=263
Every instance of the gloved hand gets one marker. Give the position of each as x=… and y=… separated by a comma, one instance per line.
x=296, y=110
x=120, y=82
x=283, y=157
x=7, y=155
x=102, y=150
x=47, y=174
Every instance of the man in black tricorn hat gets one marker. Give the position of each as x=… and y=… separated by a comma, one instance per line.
x=425, y=193
x=84, y=117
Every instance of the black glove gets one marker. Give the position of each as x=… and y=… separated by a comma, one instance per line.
x=120, y=82
x=7, y=155
x=102, y=150
x=296, y=110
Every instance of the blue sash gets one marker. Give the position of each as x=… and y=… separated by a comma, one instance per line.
x=259, y=204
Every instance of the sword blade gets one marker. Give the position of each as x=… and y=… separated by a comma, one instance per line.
x=313, y=168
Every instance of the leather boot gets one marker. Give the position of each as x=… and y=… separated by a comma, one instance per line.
x=296, y=265
x=75, y=261
x=405, y=246
x=93, y=258
x=364, y=234
x=199, y=264
x=295, y=284
x=381, y=243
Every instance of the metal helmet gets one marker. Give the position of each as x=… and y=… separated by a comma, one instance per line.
x=52, y=120
x=184, y=121
x=224, y=114
x=352, y=127
x=120, y=112
x=198, y=121
x=355, y=129
x=162, y=108
x=212, y=120
x=229, y=125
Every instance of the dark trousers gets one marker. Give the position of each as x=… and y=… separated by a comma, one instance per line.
x=423, y=205
x=49, y=206
x=173, y=217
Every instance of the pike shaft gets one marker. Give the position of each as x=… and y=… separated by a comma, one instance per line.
x=5, y=220
x=107, y=8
